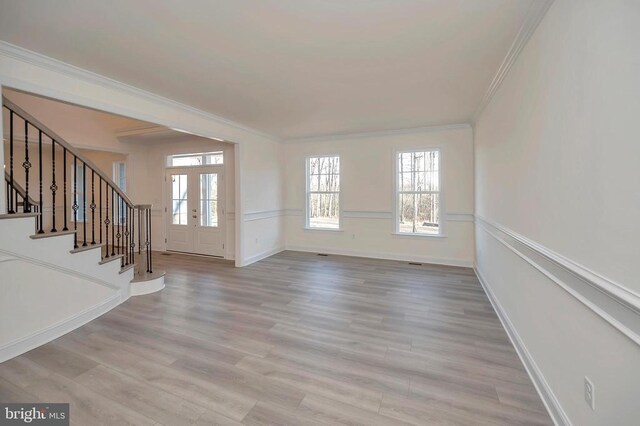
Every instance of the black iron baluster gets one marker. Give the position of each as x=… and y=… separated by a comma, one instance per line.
x=10, y=204
x=125, y=240
x=133, y=233
x=150, y=269
x=53, y=186
x=40, y=231
x=139, y=231
x=106, y=219
x=75, y=202
x=26, y=206
x=64, y=185
x=118, y=220
x=113, y=225
x=92, y=206
x=100, y=207
x=84, y=204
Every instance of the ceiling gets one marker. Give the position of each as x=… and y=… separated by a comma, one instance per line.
x=290, y=68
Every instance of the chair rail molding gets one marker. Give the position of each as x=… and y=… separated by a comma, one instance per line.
x=613, y=302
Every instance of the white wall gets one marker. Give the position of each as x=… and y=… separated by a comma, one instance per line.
x=367, y=197
x=78, y=126
x=263, y=224
x=46, y=291
x=30, y=72
x=557, y=163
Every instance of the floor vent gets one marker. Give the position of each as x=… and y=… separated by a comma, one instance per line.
x=166, y=254
x=323, y=254
x=415, y=263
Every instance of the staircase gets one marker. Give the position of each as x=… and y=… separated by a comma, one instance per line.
x=72, y=244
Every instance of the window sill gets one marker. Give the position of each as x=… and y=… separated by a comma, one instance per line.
x=412, y=234
x=307, y=228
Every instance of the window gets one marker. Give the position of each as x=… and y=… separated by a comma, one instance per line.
x=179, y=199
x=323, y=192
x=120, y=179
x=418, y=195
x=209, y=199
x=120, y=175
x=197, y=159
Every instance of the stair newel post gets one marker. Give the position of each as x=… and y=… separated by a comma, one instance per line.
x=125, y=242
x=40, y=231
x=84, y=204
x=113, y=223
x=75, y=202
x=65, y=201
x=106, y=219
x=120, y=235
x=10, y=205
x=53, y=186
x=100, y=207
x=26, y=206
x=92, y=206
x=150, y=269
x=139, y=231
x=133, y=233
x=146, y=238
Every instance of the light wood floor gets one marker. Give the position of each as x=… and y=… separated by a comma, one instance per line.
x=295, y=339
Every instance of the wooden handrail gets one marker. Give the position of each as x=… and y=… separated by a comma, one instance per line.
x=63, y=143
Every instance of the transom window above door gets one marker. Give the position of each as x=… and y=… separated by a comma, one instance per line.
x=195, y=159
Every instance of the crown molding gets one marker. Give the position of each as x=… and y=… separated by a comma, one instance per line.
x=406, y=131
x=45, y=62
x=537, y=11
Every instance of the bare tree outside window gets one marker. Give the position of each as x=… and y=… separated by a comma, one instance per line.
x=418, y=200
x=323, y=192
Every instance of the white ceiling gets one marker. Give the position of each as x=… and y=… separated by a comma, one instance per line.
x=291, y=68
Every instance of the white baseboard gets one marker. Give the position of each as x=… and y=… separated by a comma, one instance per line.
x=383, y=255
x=39, y=338
x=550, y=401
x=257, y=257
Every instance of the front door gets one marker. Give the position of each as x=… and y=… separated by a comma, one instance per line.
x=195, y=210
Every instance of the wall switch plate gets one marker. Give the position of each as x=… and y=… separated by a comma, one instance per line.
x=589, y=393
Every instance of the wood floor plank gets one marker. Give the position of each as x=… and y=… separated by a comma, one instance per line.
x=295, y=339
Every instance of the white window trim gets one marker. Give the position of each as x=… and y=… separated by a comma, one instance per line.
x=116, y=174
x=306, y=195
x=442, y=222
x=168, y=158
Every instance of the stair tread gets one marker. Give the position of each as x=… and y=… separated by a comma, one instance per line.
x=18, y=215
x=87, y=248
x=111, y=259
x=127, y=267
x=51, y=234
x=146, y=276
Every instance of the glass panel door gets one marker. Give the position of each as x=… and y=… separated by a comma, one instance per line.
x=209, y=199
x=179, y=196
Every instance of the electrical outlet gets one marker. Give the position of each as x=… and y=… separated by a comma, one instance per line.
x=589, y=393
